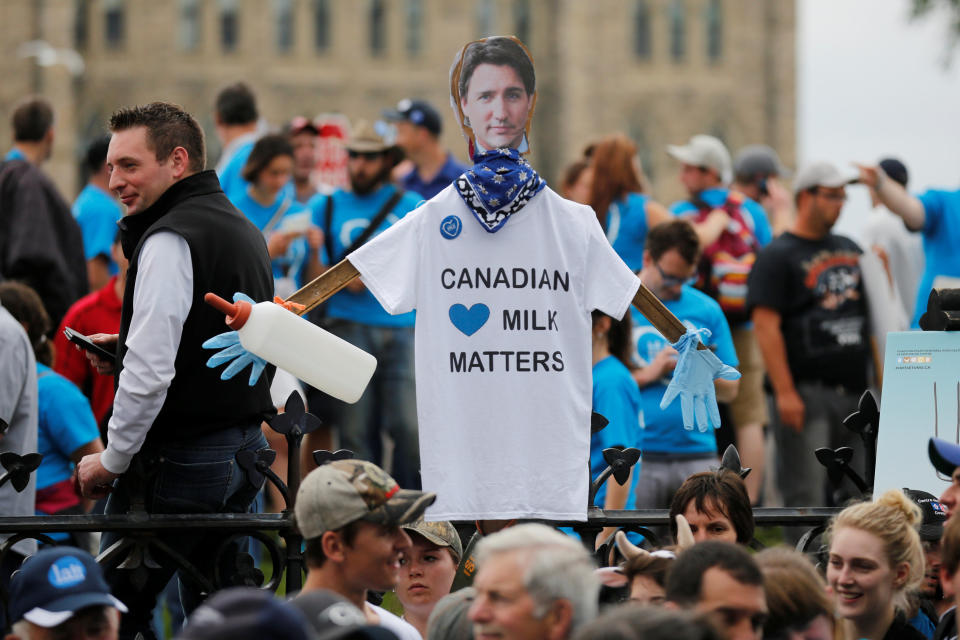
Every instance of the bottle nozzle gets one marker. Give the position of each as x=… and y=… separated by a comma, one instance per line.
x=236, y=312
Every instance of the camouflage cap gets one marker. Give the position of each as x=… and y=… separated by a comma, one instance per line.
x=440, y=533
x=344, y=491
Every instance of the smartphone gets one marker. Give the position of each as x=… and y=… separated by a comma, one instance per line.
x=88, y=345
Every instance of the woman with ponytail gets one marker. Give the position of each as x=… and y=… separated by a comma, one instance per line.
x=875, y=559
x=67, y=430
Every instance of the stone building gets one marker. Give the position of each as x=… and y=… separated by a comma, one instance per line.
x=658, y=70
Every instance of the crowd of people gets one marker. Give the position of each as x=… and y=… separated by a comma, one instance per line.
x=746, y=264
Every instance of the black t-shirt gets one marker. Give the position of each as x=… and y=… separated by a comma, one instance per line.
x=816, y=287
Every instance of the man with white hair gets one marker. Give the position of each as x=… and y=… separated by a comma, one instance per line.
x=533, y=583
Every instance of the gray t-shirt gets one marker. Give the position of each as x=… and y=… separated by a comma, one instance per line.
x=18, y=408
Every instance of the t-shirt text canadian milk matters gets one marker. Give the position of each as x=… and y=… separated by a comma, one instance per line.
x=470, y=319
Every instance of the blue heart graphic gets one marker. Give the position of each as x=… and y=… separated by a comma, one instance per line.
x=469, y=320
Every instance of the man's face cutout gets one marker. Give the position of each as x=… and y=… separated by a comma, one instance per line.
x=489, y=94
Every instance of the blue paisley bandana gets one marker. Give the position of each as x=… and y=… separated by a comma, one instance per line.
x=499, y=184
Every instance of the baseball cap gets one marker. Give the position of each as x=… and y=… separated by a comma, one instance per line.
x=759, y=160
x=333, y=617
x=944, y=456
x=821, y=174
x=934, y=513
x=245, y=613
x=418, y=112
x=703, y=151
x=300, y=124
x=895, y=170
x=55, y=583
x=343, y=491
x=448, y=620
x=440, y=533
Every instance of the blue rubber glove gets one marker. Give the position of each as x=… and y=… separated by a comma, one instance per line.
x=693, y=381
x=231, y=349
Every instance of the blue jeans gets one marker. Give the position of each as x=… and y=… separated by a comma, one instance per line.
x=199, y=476
x=389, y=404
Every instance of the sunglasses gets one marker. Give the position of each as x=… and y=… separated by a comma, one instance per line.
x=366, y=155
x=673, y=281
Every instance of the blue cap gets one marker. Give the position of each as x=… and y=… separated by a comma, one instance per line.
x=944, y=456
x=55, y=583
x=419, y=112
x=245, y=613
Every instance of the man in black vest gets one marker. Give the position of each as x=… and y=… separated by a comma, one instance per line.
x=176, y=428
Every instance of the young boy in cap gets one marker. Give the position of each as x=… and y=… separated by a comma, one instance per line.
x=427, y=569
x=931, y=602
x=60, y=592
x=350, y=513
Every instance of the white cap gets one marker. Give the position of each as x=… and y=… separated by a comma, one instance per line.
x=704, y=151
x=822, y=174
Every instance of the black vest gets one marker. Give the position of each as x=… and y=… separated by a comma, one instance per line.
x=228, y=255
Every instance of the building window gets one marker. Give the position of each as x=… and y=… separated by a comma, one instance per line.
x=81, y=25
x=521, y=20
x=714, y=30
x=190, y=28
x=378, y=27
x=678, y=29
x=414, y=26
x=321, y=25
x=229, y=25
x=641, y=30
x=486, y=18
x=113, y=15
x=283, y=24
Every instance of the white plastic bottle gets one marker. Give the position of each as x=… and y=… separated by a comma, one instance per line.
x=286, y=340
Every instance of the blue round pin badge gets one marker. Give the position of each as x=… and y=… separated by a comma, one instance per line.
x=451, y=227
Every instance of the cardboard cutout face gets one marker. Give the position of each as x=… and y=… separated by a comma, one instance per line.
x=493, y=92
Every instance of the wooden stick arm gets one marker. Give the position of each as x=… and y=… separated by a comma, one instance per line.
x=659, y=316
x=338, y=276
x=325, y=285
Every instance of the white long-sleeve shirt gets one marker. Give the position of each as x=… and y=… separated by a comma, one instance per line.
x=162, y=297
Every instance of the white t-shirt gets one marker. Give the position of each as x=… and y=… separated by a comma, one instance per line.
x=503, y=349
x=400, y=627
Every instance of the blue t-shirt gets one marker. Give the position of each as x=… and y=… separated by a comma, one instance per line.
x=97, y=214
x=293, y=264
x=14, y=154
x=66, y=423
x=230, y=178
x=941, y=235
x=449, y=172
x=626, y=228
x=351, y=215
x=616, y=398
x=663, y=431
x=716, y=198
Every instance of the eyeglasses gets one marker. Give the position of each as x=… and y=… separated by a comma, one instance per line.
x=674, y=281
x=829, y=195
x=366, y=155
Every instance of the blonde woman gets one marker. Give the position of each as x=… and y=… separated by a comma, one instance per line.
x=875, y=559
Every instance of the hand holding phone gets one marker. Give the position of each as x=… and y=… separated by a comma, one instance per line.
x=90, y=346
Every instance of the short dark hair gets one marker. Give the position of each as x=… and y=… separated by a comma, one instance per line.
x=630, y=622
x=236, y=104
x=31, y=120
x=726, y=490
x=675, y=234
x=499, y=51
x=97, y=154
x=264, y=151
x=685, y=580
x=313, y=554
x=168, y=126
